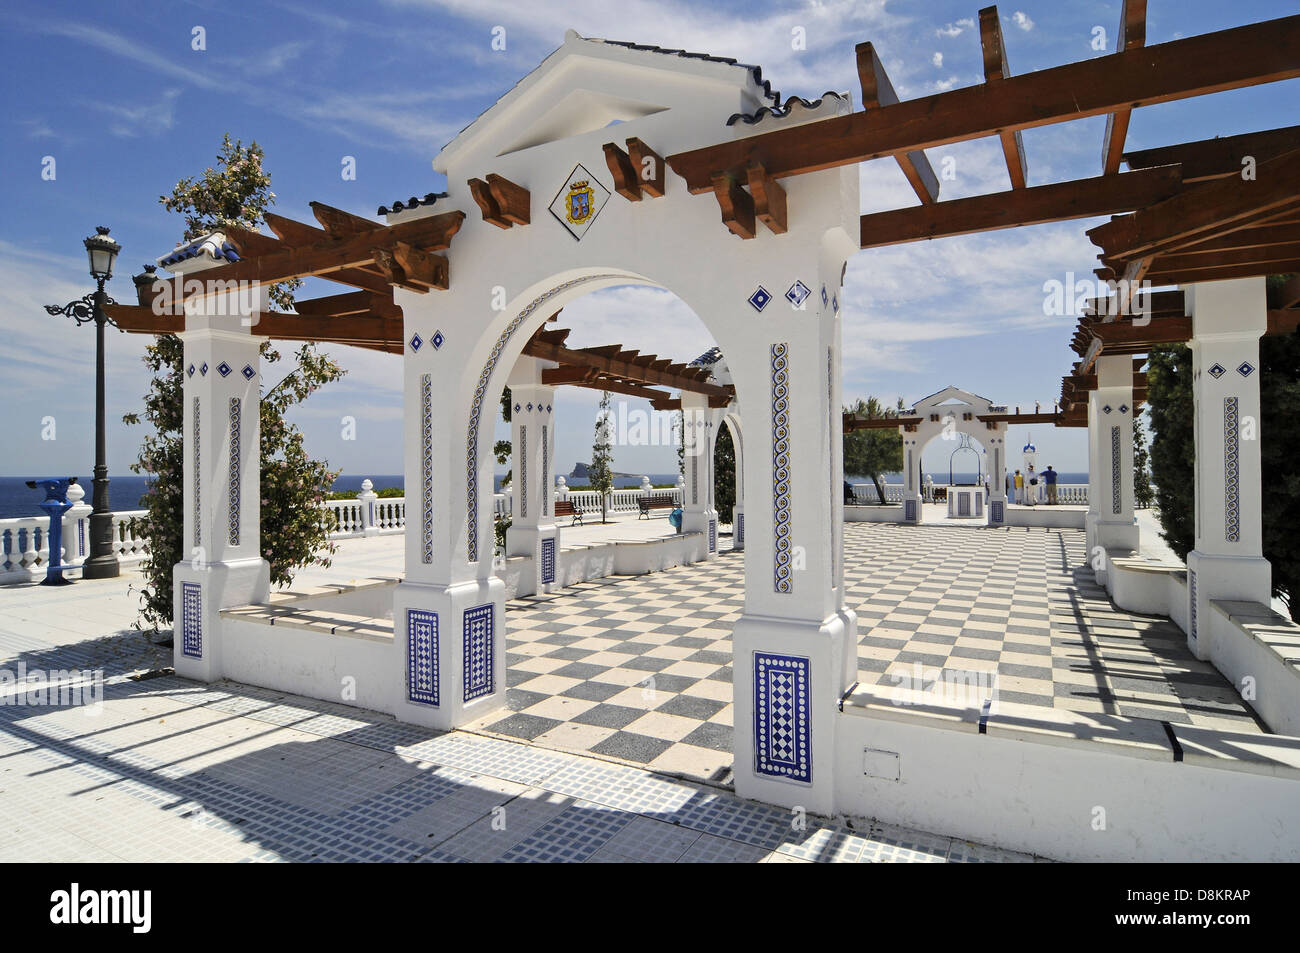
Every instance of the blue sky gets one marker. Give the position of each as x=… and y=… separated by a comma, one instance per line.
x=118, y=96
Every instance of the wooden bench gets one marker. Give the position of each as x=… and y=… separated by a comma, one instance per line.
x=566, y=508
x=657, y=502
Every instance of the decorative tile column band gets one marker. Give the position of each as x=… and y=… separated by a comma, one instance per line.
x=546, y=475
x=695, y=474
x=480, y=394
x=1191, y=591
x=426, y=468
x=478, y=635
x=781, y=728
x=1231, y=472
x=830, y=423
x=740, y=530
x=783, y=578
x=422, y=657
x=198, y=479
x=548, y=560
x=523, y=471
x=1116, y=503
x=713, y=536
x=235, y=413
x=191, y=620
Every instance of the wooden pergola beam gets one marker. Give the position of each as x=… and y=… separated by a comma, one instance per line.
x=878, y=92
x=614, y=362
x=1229, y=59
x=1218, y=157
x=251, y=244
x=851, y=422
x=1132, y=36
x=996, y=69
x=1224, y=272
x=1081, y=198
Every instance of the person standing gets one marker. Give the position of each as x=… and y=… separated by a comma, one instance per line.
x=1020, y=487
x=1049, y=477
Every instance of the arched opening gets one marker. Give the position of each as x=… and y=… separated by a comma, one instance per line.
x=954, y=474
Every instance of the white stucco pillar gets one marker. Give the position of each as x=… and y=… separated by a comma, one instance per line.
x=698, y=512
x=533, y=531
x=997, y=457
x=222, y=563
x=1228, y=319
x=76, y=528
x=1111, y=407
x=449, y=610
x=738, y=511
x=913, y=491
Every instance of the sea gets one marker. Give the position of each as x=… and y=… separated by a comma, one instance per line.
x=124, y=492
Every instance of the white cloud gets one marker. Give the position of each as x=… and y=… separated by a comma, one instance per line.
x=150, y=119
x=937, y=60
x=956, y=29
x=1022, y=20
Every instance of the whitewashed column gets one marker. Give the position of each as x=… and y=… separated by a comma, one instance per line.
x=533, y=531
x=76, y=528
x=698, y=513
x=1111, y=407
x=997, y=454
x=912, y=490
x=1228, y=319
x=222, y=564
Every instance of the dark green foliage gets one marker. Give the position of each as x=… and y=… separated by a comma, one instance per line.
x=724, y=474
x=872, y=453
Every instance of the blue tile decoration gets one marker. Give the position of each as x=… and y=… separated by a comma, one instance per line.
x=1231, y=474
x=740, y=530
x=248, y=372
x=235, y=467
x=416, y=342
x=198, y=479
x=1106, y=409
x=481, y=395
x=189, y=371
x=1217, y=371
x=548, y=408
x=1116, y=500
x=548, y=560
x=836, y=498
x=963, y=504
x=426, y=468
x=422, y=657
x=523, y=469
x=782, y=742
x=797, y=294
x=759, y=299
x=191, y=620
x=438, y=340
x=713, y=536
x=996, y=507
x=1245, y=368
x=1191, y=591
x=695, y=480
x=826, y=299
x=1123, y=408
x=783, y=577
x=478, y=634
x=224, y=369
x=530, y=406
x=909, y=511
x=518, y=408
x=546, y=472
x=835, y=305
x=81, y=537
x=203, y=369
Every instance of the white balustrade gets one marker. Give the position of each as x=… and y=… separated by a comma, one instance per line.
x=128, y=543
x=23, y=548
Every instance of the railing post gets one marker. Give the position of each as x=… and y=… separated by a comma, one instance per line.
x=367, y=498
x=76, y=541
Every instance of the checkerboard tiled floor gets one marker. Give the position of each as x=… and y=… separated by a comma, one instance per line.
x=639, y=668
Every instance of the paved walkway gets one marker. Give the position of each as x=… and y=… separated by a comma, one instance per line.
x=170, y=770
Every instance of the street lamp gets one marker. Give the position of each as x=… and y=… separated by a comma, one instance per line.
x=102, y=252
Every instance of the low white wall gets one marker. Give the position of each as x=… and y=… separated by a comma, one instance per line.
x=890, y=513
x=1047, y=516
x=1045, y=781
x=1251, y=641
x=307, y=661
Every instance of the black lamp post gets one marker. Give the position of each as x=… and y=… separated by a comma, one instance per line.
x=102, y=252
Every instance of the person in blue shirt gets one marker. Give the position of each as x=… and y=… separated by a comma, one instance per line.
x=1049, y=477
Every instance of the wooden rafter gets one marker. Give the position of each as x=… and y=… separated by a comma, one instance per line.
x=994, y=48
x=1132, y=36
x=1082, y=198
x=1218, y=157
x=878, y=92
x=1229, y=59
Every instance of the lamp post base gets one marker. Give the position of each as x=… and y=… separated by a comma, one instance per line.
x=102, y=563
x=100, y=567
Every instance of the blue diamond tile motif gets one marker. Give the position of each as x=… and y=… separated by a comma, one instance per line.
x=760, y=298
x=548, y=408
x=517, y=408
x=1123, y=408
x=797, y=294
x=437, y=340
x=416, y=342
x=191, y=620
x=203, y=371
x=422, y=657
x=224, y=369
x=548, y=560
x=248, y=372
x=782, y=743
x=826, y=299
x=835, y=305
x=1245, y=369
x=530, y=406
x=1217, y=371
x=190, y=370
x=1106, y=409
x=478, y=635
